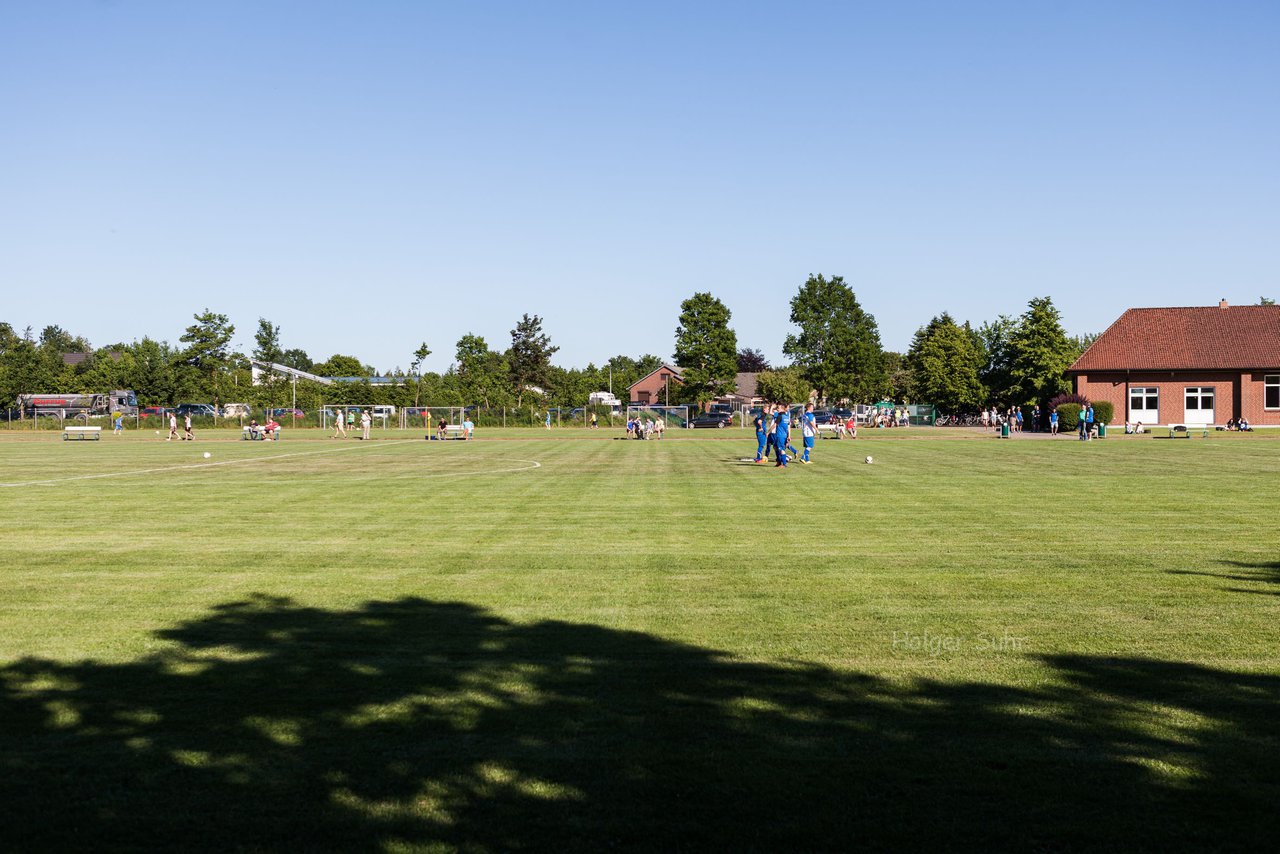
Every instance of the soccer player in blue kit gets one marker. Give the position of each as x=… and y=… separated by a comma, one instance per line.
x=781, y=431
x=762, y=434
x=809, y=430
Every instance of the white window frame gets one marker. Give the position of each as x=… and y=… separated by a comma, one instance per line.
x=1200, y=392
x=1269, y=382
x=1146, y=394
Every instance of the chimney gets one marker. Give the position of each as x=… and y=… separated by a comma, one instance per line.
x=1222, y=304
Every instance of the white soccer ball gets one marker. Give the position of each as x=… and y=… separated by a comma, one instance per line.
x=157, y=432
x=870, y=461
x=207, y=455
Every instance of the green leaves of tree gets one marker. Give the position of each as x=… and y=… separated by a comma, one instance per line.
x=838, y=347
x=706, y=348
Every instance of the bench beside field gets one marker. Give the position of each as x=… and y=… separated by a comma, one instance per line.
x=452, y=431
x=81, y=433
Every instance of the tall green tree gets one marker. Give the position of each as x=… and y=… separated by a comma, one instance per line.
x=838, y=347
x=415, y=368
x=482, y=373
x=207, y=356
x=996, y=337
x=529, y=358
x=945, y=365
x=1040, y=354
x=706, y=348
x=267, y=342
x=339, y=365
x=785, y=385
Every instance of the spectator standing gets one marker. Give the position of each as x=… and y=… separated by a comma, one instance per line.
x=365, y=423
x=339, y=431
x=1053, y=423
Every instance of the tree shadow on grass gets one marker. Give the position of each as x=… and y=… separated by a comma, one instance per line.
x=1265, y=572
x=271, y=726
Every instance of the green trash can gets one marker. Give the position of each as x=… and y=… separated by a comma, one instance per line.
x=1004, y=430
x=1102, y=430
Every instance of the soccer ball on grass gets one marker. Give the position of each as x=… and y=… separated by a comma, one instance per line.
x=870, y=461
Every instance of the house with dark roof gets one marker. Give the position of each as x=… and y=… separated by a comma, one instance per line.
x=654, y=387
x=1194, y=366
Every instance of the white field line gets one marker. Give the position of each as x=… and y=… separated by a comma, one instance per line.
x=194, y=466
x=532, y=464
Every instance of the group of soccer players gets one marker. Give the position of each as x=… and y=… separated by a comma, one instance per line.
x=773, y=433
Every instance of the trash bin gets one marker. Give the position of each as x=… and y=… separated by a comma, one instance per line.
x=1004, y=430
x=1102, y=430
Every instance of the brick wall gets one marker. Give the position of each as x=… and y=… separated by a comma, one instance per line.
x=1236, y=394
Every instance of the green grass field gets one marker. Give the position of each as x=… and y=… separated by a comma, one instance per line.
x=568, y=640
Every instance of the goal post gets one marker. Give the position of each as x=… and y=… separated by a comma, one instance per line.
x=674, y=416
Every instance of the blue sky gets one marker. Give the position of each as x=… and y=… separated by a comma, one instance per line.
x=370, y=175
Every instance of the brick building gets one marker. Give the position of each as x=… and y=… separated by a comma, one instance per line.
x=653, y=388
x=1187, y=365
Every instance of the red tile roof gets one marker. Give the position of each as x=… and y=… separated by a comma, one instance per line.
x=1165, y=339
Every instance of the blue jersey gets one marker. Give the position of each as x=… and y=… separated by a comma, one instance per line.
x=783, y=422
x=809, y=424
x=762, y=423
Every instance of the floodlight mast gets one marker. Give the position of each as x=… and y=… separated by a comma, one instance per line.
x=294, y=374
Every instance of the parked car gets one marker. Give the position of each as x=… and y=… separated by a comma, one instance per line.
x=287, y=413
x=712, y=419
x=235, y=410
x=157, y=411
x=195, y=410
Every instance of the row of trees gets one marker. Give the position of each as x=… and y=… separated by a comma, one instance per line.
x=838, y=356
x=836, y=353
x=205, y=368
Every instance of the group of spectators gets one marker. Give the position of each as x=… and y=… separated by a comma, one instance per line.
x=1013, y=416
x=892, y=418
x=645, y=428
x=269, y=432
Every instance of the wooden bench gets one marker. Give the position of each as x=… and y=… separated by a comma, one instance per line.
x=81, y=433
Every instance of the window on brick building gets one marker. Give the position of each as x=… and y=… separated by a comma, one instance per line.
x=1144, y=399
x=1271, y=391
x=1200, y=397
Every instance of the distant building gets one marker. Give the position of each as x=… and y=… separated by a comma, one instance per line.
x=744, y=391
x=654, y=387
x=1194, y=366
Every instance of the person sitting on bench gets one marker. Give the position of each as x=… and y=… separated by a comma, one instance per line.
x=254, y=429
x=271, y=430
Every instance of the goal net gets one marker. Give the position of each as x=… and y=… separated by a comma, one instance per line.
x=674, y=416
